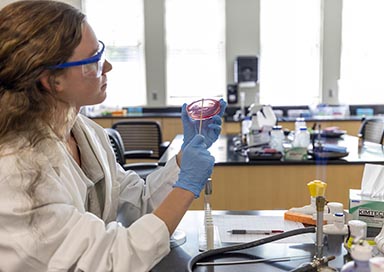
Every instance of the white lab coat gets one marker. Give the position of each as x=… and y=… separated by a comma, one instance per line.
x=49, y=220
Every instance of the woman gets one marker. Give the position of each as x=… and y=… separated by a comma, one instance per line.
x=60, y=186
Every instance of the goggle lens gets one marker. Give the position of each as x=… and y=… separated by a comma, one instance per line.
x=95, y=69
x=92, y=67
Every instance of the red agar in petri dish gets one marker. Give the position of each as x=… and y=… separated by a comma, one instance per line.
x=203, y=109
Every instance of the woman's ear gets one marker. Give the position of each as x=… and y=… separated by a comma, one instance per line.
x=50, y=82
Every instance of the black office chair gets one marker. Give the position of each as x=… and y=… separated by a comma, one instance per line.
x=372, y=130
x=144, y=136
x=143, y=169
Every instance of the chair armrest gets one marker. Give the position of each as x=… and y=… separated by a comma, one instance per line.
x=138, y=154
x=141, y=165
x=163, y=147
x=143, y=169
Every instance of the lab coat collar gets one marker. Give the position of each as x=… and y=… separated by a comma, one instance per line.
x=100, y=153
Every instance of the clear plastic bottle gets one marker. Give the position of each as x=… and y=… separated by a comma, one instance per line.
x=277, y=138
x=302, y=138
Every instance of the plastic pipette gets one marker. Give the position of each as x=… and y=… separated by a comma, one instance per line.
x=201, y=115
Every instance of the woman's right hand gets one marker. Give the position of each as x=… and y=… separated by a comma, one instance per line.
x=196, y=166
x=211, y=128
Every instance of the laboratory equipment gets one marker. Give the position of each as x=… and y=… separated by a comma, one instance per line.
x=316, y=265
x=300, y=122
x=327, y=151
x=178, y=238
x=263, y=154
x=209, y=237
x=208, y=219
x=361, y=252
x=210, y=128
x=306, y=213
x=257, y=135
x=337, y=225
x=254, y=109
x=217, y=252
x=320, y=204
x=242, y=104
x=319, y=260
x=376, y=264
x=335, y=233
x=334, y=208
x=299, y=147
x=277, y=138
x=203, y=109
x=262, y=122
x=357, y=231
x=302, y=138
x=245, y=126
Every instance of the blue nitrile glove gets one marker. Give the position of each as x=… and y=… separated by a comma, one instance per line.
x=196, y=166
x=211, y=128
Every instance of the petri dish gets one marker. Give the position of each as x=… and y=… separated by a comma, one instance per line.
x=203, y=109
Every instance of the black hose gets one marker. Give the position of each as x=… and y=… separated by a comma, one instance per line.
x=255, y=243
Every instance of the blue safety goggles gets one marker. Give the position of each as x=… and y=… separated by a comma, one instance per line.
x=92, y=67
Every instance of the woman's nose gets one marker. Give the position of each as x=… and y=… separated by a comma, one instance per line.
x=107, y=66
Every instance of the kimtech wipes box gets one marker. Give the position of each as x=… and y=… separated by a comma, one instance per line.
x=367, y=209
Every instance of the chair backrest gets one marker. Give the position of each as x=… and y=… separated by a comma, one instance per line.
x=117, y=145
x=140, y=135
x=372, y=130
x=142, y=169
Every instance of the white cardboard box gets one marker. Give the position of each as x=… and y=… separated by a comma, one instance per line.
x=369, y=210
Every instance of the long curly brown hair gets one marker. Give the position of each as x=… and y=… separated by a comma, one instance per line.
x=34, y=35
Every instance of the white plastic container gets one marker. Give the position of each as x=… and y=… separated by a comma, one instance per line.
x=358, y=229
x=277, y=138
x=376, y=264
x=361, y=253
x=300, y=122
x=302, y=138
x=245, y=126
x=257, y=136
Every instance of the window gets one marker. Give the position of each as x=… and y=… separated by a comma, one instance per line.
x=289, y=52
x=362, y=56
x=195, y=49
x=120, y=25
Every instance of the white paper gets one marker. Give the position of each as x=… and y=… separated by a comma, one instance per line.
x=225, y=223
x=372, y=184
